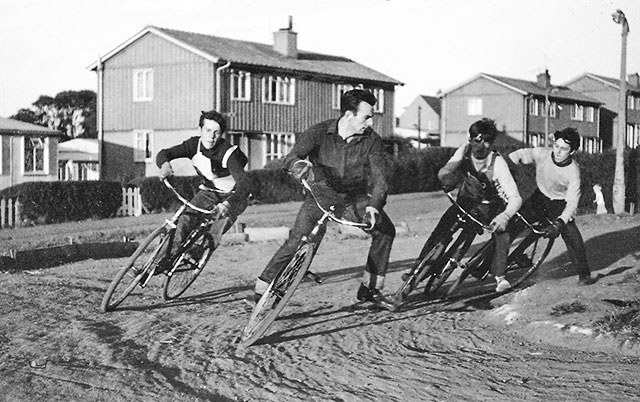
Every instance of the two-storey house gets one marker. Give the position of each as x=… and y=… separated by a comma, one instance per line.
x=527, y=112
x=607, y=90
x=420, y=121
x=152, y=88
x=27, y=153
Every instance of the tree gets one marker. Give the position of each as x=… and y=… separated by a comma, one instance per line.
x=73, y=112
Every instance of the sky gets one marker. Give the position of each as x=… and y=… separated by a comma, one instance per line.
x=429, y=45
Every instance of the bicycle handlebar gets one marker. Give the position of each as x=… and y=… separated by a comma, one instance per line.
x=187, y=202
x=530, y=225
x=330, y=213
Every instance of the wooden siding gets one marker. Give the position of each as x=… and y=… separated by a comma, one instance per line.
x=499, y=103
x=312, y=105
x=183, y=84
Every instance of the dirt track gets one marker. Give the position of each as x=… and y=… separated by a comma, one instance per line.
x=323, y=348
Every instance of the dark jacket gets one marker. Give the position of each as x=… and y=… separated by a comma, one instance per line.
x=353, y=168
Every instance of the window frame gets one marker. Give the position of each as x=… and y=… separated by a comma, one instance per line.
x=1, y=153
x=279, y=90
x=577, y=112
x=284, y=143
x=45, y=156
x=240, y=83
x=143, y=84
x=140, y=153
x=590, y=114
x=534, y=107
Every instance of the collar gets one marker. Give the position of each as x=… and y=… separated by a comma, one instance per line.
x=333, y=129
x=564, y=163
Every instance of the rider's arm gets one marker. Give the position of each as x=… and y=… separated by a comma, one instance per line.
x=377, y=164
x=185, y=150
x=522, y=156
x=454, y=162
x=508, y=189
x=243, y=181
x=305, y=144
x=573, y=192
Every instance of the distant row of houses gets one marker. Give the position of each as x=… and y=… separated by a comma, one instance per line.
x=152, y=87
x=526, y=111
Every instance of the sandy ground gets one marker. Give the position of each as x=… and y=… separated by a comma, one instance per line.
x=56, y=345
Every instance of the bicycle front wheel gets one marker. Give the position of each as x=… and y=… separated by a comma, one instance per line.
x=476, y=265
x=449, y=261
x=277, y=295
x=137, y=270
x=527, y=257
x=193, y=256
x=421, y=269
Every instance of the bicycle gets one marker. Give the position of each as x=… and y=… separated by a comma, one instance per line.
x=526, y=256
x=186, y=263
x=285, y=283
x=437, y=263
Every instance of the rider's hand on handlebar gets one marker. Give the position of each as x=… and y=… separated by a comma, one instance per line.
x=552, y=231
x=449, y=182
x=166, y=170
x=223, y=209
x=370, y=217
x=301, y=169
x=499, y=223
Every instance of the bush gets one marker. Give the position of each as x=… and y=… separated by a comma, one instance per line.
x=61, y=201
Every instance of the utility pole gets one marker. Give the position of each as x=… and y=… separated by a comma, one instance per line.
x=618, y=179
x=419, y=128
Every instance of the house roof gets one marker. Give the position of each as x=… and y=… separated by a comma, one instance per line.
x=612, y=82
x=433, y=102
x=531, y=88
x=215, y=49
x=16, y=127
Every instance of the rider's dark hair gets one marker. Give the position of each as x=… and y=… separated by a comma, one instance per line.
x=570, y=135
x=215, y=116
x=486, y=128
x=351, y=99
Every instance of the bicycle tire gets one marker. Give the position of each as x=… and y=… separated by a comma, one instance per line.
x=193, y=257
x=140, y=263
x=449, y=261
x=472, y=264
x=419, y=271
x=277, y=295
x=535, y=249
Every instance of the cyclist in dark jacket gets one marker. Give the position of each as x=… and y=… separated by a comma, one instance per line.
x=344, y=162
x=220, y=165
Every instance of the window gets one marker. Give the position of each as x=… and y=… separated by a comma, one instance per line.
x=590, y=145
x=590, y=114
x=143, y=85
x=379, y=94
x=142, y=145
x=577, y=112
x=633, y=102
x=633, y=135
x=534, y=107
x=1, y=150
x=277, y=145
x=35, y=155
x=280, y=90
x=474, y=107
x=337, y=91
x=553, y=110
x=240, y=85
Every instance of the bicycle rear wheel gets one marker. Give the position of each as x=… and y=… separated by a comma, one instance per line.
x=277, y=295
x=137, y=270
x=193, y=256
x=449, y=261
x=527, y=257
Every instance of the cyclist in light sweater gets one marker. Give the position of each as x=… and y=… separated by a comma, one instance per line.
x=556, y=196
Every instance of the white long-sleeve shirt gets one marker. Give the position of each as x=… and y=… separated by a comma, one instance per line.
x=502, y=179
x=555, y=182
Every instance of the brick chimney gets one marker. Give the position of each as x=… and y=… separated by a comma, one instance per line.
x=285, y=41
x=634, y=79
x=544, y=79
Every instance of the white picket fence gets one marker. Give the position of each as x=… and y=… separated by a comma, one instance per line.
x=10, y=208
x=131, y=202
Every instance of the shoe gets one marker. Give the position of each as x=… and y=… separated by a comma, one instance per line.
x=586, y=280
x=502, y=285
x=252, y=299
x=374, y=296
